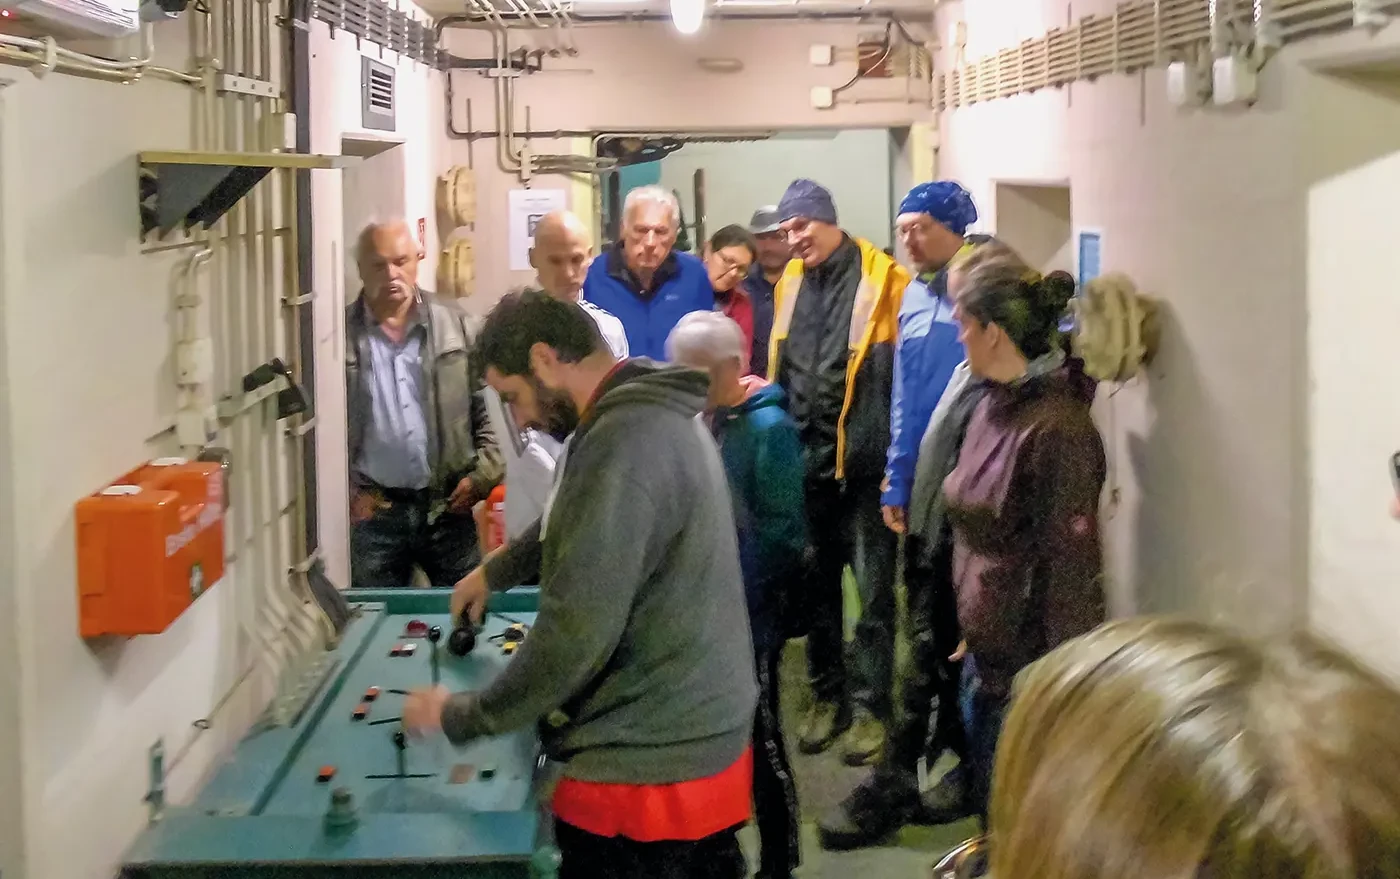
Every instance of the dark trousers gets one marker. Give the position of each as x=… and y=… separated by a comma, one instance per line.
x=845, y=528
x=385, y=547
x=586, y=856
x=931, y=688
x=774, y=792
x=983, y=713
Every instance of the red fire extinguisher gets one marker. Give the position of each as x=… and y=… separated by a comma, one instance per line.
x=496, y=518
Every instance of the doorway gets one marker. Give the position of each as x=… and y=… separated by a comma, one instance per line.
x=1034, y=220
x=371, y=189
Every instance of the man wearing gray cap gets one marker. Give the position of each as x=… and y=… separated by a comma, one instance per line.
x=773, y=257
x=835, y=322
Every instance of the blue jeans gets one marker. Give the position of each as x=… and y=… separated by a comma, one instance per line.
x=385, y=547
x=982, y=714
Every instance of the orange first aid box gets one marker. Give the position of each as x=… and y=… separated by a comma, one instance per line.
x=148, y=545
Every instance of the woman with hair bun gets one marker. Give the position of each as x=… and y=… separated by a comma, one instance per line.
x=1023, y=498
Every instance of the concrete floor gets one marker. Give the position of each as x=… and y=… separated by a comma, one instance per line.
x=823, y=781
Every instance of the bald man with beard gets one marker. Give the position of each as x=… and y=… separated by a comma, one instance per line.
x=560, y=256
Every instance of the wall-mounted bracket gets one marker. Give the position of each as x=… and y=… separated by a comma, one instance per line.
x=185, y=189
x=155, y=792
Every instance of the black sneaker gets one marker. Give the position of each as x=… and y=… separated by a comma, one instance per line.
x=873, y=812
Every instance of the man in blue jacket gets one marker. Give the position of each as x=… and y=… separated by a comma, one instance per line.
x=762, y=457
x=932, y=225
x=643, y=280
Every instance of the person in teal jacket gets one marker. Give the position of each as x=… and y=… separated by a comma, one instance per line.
x=762, y=456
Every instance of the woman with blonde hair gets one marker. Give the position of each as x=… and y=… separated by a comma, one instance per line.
x=1160, y=748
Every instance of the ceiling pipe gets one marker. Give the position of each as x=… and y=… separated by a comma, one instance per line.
x=468, y=20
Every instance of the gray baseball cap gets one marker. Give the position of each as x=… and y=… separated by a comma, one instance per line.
x=765, y=220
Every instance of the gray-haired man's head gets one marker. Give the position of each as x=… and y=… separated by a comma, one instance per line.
x=651, y=220
x=710, y=341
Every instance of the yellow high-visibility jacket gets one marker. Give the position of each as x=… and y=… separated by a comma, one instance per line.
x=863, y=431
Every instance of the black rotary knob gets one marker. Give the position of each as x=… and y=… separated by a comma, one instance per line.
x=435, y=634
x=462, y=640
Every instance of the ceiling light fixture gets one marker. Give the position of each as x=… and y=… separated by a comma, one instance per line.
x=688, y=15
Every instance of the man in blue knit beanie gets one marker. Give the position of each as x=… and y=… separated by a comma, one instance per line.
x=832, y=350
x=932, y=225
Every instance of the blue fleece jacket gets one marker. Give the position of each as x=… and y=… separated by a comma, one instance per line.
x=679, y=286
x=763, y=460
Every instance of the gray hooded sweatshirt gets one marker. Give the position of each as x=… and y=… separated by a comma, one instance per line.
x=639, y=668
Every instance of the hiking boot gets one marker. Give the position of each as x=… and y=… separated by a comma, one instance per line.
x=873, y=812
x=865, y=742
x=824, y=724
x=946, y=802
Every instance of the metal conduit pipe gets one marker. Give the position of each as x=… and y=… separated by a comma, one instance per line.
x=1217, y=40
x=478, y=20
x=1267, y=38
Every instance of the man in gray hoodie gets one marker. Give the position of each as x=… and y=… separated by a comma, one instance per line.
x=639, y=669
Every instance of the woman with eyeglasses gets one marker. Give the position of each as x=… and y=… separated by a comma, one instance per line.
x=729, y=254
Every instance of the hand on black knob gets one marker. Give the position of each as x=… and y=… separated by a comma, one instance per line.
x=462, y=640
x=435, y=634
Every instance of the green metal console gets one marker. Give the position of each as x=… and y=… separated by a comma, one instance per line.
x=427, y=810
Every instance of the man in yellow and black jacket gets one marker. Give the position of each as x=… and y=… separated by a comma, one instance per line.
x=832, y=349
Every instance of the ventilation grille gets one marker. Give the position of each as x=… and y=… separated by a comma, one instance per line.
x=383, y=25
x=1137, y=35
x=376, y=95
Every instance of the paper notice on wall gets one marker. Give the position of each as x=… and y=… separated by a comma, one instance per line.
x=527, y=207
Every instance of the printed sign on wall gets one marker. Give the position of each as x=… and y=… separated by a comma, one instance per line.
x=527, y=207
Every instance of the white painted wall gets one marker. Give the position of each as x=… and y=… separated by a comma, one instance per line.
x=335, y=112
x=85, y=353
x=1353, y=314
x=1207, y=453
x=86, y=350
x=854, y=164
x=12, y=689
x=1264, y=232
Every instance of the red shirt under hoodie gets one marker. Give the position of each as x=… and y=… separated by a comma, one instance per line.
x=684, y=811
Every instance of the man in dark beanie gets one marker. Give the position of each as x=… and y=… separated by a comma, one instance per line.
x=835, y=323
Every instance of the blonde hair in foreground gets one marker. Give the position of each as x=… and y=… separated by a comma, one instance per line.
x=1162, y=748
